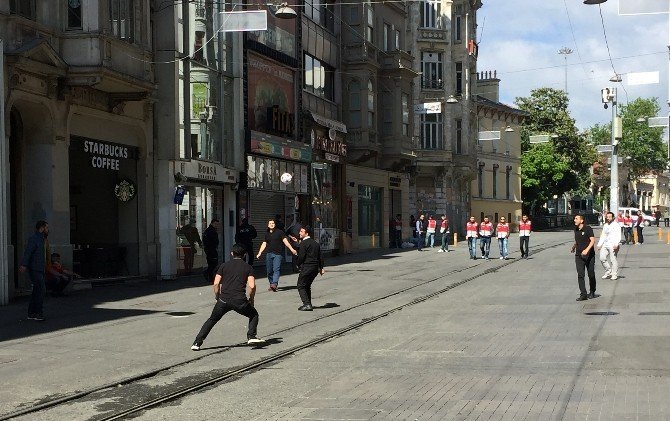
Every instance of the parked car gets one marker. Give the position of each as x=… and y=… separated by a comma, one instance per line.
x=648, y=219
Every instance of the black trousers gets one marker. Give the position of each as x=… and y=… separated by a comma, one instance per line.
x=57, y=286
x=640, y=237
x=212, y=264
x=242, y=307
x=586, y=264
x=305, y=279
x=250, y=253
x=524, y=240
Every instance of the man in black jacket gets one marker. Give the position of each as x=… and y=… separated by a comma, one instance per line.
x=245, y=235
x=311, y=264
x=210, y=242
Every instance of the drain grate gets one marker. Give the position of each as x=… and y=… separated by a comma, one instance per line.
x=654, y=313
x=602, y=313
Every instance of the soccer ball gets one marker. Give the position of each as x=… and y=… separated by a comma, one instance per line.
x=286, y=178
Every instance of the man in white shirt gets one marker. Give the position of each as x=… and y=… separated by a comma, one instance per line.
x=608, y=244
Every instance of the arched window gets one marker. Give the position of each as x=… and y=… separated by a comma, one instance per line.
x=355, y=104
x=371, y=105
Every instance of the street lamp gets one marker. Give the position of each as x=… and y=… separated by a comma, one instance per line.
x=565, y=51
x=594, y=1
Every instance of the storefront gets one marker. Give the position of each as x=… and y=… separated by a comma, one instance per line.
x=329, y=208
x=277, y=183
x=205, y=192
x=103, y=208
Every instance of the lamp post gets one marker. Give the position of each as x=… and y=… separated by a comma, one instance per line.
x=565, y=51
x=609, y=96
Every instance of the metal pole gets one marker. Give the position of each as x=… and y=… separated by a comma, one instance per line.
x=566, y=73
x=4, y=164
x=614, y=166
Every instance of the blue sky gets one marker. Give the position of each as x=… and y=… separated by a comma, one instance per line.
x=521, y=39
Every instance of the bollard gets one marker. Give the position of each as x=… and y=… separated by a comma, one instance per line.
x=634, y=235
x=456, y=238
x=660, y=234
x=668, y=236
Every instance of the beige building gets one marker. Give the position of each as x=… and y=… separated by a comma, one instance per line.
x=652, y=192
x=496, y=190
x=77, y=82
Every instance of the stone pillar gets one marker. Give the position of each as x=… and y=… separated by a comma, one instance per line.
x=4, y=181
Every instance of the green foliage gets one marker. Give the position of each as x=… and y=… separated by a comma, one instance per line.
x=563, y=164
x=643, y=144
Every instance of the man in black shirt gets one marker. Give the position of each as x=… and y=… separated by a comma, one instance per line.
x=210, y=243
x=230, y=289
x=311, y=264
x=585, y=257
x=245, y=235
x=274, y=242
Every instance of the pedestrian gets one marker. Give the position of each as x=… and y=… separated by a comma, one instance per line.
x=525, y=227
x=245, y=236
x=627, y=227
x=293, y=234
x=210, y=242
x=471, y=233
x=191, y=237
x=420, y=228
x=57, y=276
x=657, y=216
x=397, y=231
x=608, y=244
x=666, y=217
x=274, y=242
x=584, y=257
x=445, y=231
x=639, y=224
x=311, y=264
x=35, y=262
x=485, y=234
x=621, y=220
x=502, y=232
x=430, y=231
x=232, y=282
x=412, y=225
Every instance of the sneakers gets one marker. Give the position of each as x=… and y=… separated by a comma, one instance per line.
x=606, y=275
x=255, y=341
x=196, y=346
x=272, y=287
x=36, y=317
x=440, y=251
x=614, y=277
x=501, y=258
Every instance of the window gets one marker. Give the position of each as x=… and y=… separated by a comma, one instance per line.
x=480, y=182
x=25, y=8
x=74, y=14
x=320, y=12
x=508, y=176
x=495, y=182
x=371, y=105
x=405, y=114
x=388, y=37
x=387, y=114
x=430, y=14
x=318, y=78
x=458, y=19
x=459, y=78
x=431, y=131
x=431, y=70
x=355, y=104
x=370, y=26
x=459, y=136
x=397, y=40
x=122, y=19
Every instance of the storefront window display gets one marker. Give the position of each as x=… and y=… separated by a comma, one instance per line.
x=369, y=216
x=325, y=205
x=199, y=206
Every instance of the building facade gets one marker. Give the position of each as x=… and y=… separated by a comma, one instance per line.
x=496, y=190
x=442, y=39
x=78, y=82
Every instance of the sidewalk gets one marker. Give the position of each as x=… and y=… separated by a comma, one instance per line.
x=108, y=334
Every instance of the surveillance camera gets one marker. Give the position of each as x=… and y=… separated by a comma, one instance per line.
x=605, y=106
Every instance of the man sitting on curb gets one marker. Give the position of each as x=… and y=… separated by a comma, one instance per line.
x=57, y=276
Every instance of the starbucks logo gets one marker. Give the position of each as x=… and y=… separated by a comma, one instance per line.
x=125, y=190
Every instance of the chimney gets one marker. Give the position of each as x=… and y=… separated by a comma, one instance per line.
x=488, y=85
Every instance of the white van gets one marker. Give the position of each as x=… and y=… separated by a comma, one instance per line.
x=648, y=219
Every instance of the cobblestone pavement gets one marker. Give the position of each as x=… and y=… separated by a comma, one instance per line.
x=510, y=343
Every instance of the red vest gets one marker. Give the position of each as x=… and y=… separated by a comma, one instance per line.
x=627, y=221
x=432, y=224
x=502, y=230
x=444, y=224
x=486, y=230
x=524, y=228
x=471, y=230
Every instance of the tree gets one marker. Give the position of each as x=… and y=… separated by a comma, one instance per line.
x=643, y=144
x=567, y=158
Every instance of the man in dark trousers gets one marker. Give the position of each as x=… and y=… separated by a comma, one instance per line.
x=293, y=234
x=311, y=264
x=230, y=289
x=245, y=236
x=585, y=257
x=34, y=262
x=210, y=243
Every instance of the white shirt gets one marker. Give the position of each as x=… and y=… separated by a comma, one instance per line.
x=611, y=235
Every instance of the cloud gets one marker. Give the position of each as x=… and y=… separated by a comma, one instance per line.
x=521, y=39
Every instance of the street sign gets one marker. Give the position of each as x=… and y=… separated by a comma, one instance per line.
x=539, y=138
x=244, y=21
x=657, y=122
x=489, y=135
x=619, y=160
x=428, y=108
x=604, y=148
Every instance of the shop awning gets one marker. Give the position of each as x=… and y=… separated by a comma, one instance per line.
x=327, y=122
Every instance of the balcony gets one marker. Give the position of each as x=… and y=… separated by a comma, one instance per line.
x=362, y=53
x=432, y=84
x=398, y=61
x=399, y=152
x=433, y=35
x=362, y=145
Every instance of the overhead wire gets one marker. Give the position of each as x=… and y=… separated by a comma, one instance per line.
x=609, y=54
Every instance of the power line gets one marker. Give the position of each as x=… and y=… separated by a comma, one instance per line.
x=602, y=21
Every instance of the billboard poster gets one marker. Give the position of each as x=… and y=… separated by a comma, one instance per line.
x=271, y=97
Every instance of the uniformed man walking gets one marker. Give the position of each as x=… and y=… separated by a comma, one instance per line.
x=311, y=264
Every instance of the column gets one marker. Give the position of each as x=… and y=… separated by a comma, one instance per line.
x=4, y=181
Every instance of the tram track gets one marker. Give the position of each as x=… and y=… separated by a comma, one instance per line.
x=254, y=365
